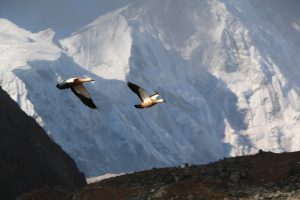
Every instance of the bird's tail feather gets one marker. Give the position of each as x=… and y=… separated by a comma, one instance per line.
x=138, y=106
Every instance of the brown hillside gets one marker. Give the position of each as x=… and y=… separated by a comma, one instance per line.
x=262, y=176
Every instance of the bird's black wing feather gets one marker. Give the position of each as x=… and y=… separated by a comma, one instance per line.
x=141, y=93
x=87, y=101
x=63, y=85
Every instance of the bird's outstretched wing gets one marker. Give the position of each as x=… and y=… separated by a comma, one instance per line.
x=63, y=85
x=138, y=90
x=83, y=95
x=154, y=95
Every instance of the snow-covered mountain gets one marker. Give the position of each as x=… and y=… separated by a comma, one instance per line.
x=228, y=70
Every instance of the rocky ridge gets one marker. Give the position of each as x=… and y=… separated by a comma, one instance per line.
x=265, y=175
x=29, y=159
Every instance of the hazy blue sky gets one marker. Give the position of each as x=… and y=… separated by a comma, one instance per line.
x=67, y=16
x=63, y=16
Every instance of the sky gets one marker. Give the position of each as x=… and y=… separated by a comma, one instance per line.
x=63, y=16
x=67, y=16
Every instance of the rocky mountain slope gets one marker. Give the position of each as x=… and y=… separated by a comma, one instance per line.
x=265, y=175
x=29, y=159
x=228, y=70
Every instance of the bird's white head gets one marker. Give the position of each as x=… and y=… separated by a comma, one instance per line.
x=160, y=101
x=88, y=79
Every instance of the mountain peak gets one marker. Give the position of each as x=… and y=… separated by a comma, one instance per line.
x=227, y=71
x=114, y=34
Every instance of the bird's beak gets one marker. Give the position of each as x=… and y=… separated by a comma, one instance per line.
x=93, y=79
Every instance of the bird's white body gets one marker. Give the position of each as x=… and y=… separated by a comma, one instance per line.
x=146, y=100
x=76, y=85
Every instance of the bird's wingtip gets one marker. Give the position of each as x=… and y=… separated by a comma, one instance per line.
x=138, y=106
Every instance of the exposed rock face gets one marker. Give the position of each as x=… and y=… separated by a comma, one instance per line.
x=265, y=175
x=29, y=159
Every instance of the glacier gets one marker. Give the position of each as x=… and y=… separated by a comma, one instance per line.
x=228, y=70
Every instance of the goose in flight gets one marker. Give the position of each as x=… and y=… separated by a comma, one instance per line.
x=146, y=100
x=76, y=86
